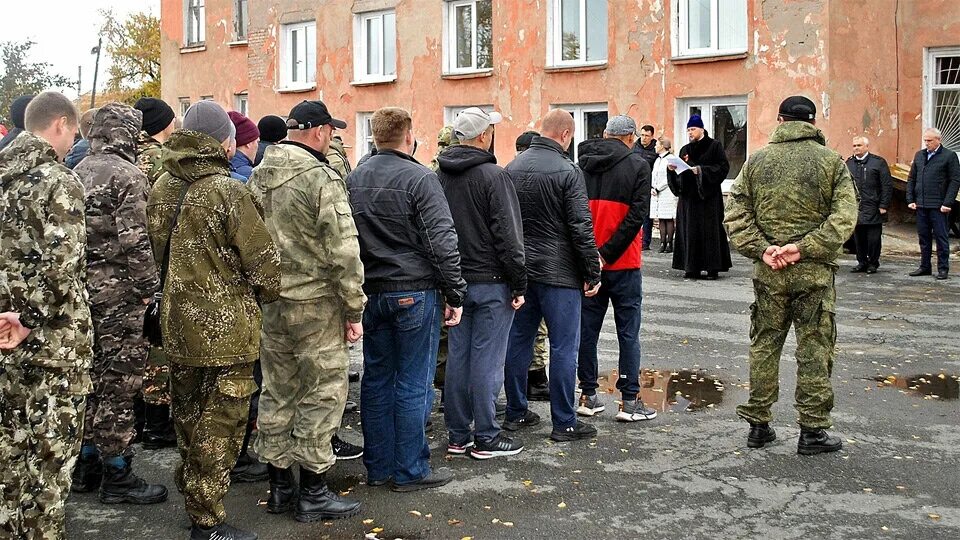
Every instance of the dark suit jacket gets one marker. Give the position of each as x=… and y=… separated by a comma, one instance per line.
x=934, y=183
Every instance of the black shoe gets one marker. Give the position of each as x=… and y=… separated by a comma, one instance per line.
x=433, y=479
x=663, y=247
x=669, y=247
x=529, y=419
x=691, y=275
x=344, y=450
x=379, y=482
x=350, y=406
x=248, y=470
x=871, y=269
x=760, y=434
x=646, y=248
x=712, y=276
x=87, y=474
x=353, y=376
x=943, y=275
x=501, y=409
x=920, y=272
x=428, y=427
x=538, y=386
x=576, y=432
x=220, y=532
x=817, y=441
x=500, y=445
x=283, y=490
x=318, y=503
x=121, y=485
x=158, y=429
x=858, y=268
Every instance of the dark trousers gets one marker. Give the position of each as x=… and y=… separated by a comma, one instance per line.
x=559, y=307
x=647, y=232
x=932, y=225
x=868, y=242
x=624, y=288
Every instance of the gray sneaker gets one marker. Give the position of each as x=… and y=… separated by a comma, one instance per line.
x=634, y=411
x=590, y=405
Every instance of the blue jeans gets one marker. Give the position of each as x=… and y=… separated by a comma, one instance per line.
x=478, y=349
x=401, y=333
x=624, y=288
x=647, y=232
x=932, y=225
x=560, y=308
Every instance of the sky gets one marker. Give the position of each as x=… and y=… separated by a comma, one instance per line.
x=65, y=31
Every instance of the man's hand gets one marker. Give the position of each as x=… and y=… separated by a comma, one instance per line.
x=451, y=315
x=354, y=331
x=12, y=333
x=588, y=292
x=517, y=302
x=770, y=258
x=945, y=209
x=883, y=211
x=789, y=254
x=912, y=206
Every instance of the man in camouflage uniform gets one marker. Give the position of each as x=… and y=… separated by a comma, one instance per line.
x=445, y=139
x=337, y=157
x=121, y=280
x=45, y=329
x=792, y=207
x=222, y=267
x=303, y=353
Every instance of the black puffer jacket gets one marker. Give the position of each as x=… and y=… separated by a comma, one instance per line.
x=558, y=236
x=486, y=213
x=407, y=239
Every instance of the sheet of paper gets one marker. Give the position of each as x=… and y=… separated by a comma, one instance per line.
x=680, y=164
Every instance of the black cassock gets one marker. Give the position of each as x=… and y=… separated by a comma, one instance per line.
x=701, y=243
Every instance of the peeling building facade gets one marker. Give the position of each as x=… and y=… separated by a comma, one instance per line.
x=883, y=68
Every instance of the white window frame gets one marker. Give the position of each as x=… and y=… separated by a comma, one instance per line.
x=680, y=29
x=555, y=37
x=241, y=20
x=450, y=38
x=682, y=116
x=579, y=112
x=189, y=39
x=930, y=85
x=184, y=105
x=450, y=112
x=364, y=136
x=242, y=103
x=291, y=78
x=360, y=74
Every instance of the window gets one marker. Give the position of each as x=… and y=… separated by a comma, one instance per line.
x=241, y=101
x=942, y=94
x=450, y=113
x=703, y=29
x=725, y=119
x=578, y=32
x=241, y=19
x=194, y=19
x=298, y=62
x=184, y=105
x=469, y=35
x=375, y=59
x=589, y=121
x=206, y=98
x=364, y=135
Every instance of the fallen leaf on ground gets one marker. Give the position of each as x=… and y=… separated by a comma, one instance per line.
x=528, y=483
x=415, y=513
x=562, y=505
x=454, y=522
x=377, y=530
x=508, y=524
x=933, y=516
x=367, y=521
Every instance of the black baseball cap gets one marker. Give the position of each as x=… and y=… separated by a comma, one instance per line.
x=311, y=114
x=799, y=108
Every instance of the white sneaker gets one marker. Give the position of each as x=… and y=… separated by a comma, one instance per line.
x=635, y=411
x=590, y=405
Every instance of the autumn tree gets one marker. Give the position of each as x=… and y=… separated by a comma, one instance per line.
x=133, y=45
x=21, y=77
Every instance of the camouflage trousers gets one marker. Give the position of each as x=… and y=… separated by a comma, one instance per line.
x=119, y=356
x=209, y=406
x=156, y=378
x=41, y=425
x=802, y=296
x=304, y=360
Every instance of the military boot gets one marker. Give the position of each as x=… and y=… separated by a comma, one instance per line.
x=538, y=386
x=283, y=490
x=220, y=532
x=318, y=503
x=817, y=441
x=760, y=434
x=121, y=485
x=158, y=429
x=87, y=474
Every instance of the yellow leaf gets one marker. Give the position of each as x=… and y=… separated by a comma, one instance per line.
x=508, y=524
x=454, y=522
x=933, y=516
x=562, y=505
x=377, y=530
x=467, y=538
x=415, y=513
x=528, y=483
x=428, y=516
x=367, y=521
x=495, y=520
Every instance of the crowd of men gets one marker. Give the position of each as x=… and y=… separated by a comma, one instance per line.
x=264, y=255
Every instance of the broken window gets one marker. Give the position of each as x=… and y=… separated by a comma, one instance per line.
x=944, y=96
x=240, y=20
x=298, y=62
x=376, y=56
x=579, y=32
x=469, y=35
x=194, y=21
x=589, y=121
x=703, y=29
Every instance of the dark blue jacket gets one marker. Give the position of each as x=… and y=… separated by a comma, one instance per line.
x=241, y=166
x=79, y=151
x=934, y=183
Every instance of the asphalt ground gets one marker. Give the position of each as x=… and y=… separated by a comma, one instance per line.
x=688, y=473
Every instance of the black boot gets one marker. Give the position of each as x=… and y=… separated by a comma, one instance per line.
x=283, y=490
x=139, y=419
x=220, y=532
x=538, y=386
x=248, y=469
x=87, y=474
x=318, y=503
x=669, y=247
x=158, y=429
x=817, y=441
x=663, y=246
x=121, y=485
x=760, y=434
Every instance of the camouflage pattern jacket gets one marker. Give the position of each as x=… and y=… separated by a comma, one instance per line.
x=445, y=139
x=337, y=158
x=795, y=190
x=42, y=256
x=309, y=217
x=149, y=154
x=120, y=266
x=223, y=264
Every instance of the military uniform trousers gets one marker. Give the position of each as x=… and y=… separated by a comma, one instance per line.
x=802, y=295
x=119, y=357
x=156, y=378
x=41, y=426
x=304, y=359
x=209, y=406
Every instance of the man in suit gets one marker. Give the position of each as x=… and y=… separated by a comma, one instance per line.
x=931, y=190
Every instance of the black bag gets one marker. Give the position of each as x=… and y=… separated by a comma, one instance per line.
x=151, y=318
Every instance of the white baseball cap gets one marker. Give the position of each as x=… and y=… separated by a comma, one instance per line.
x=471, y=122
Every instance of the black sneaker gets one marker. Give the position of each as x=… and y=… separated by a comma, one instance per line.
x=529, y=419
x=220, y=532
x=501, y=445
x=574, y=433
x=344, y=450
x=437, y=478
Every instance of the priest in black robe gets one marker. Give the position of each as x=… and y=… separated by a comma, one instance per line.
x=701, y=241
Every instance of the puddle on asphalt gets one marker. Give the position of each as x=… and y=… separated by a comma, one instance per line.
x=675, y=391
x=929, y=385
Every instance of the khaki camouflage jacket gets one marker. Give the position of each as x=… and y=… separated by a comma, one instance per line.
x=795, y=190
x=223, y=264
x=308, y=214
x=42, y=257
x=120, y=266
x=337, y=158
x=149, y=155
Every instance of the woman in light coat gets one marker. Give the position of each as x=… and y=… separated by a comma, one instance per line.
x=663, y=203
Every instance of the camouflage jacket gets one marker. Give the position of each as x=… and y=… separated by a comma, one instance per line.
x=149, y=154
x=795, y=190
x=445, y=139
x=222, y=262
x=308, y=214
x=42, y=258
x=337, y=158
x=120, y=266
